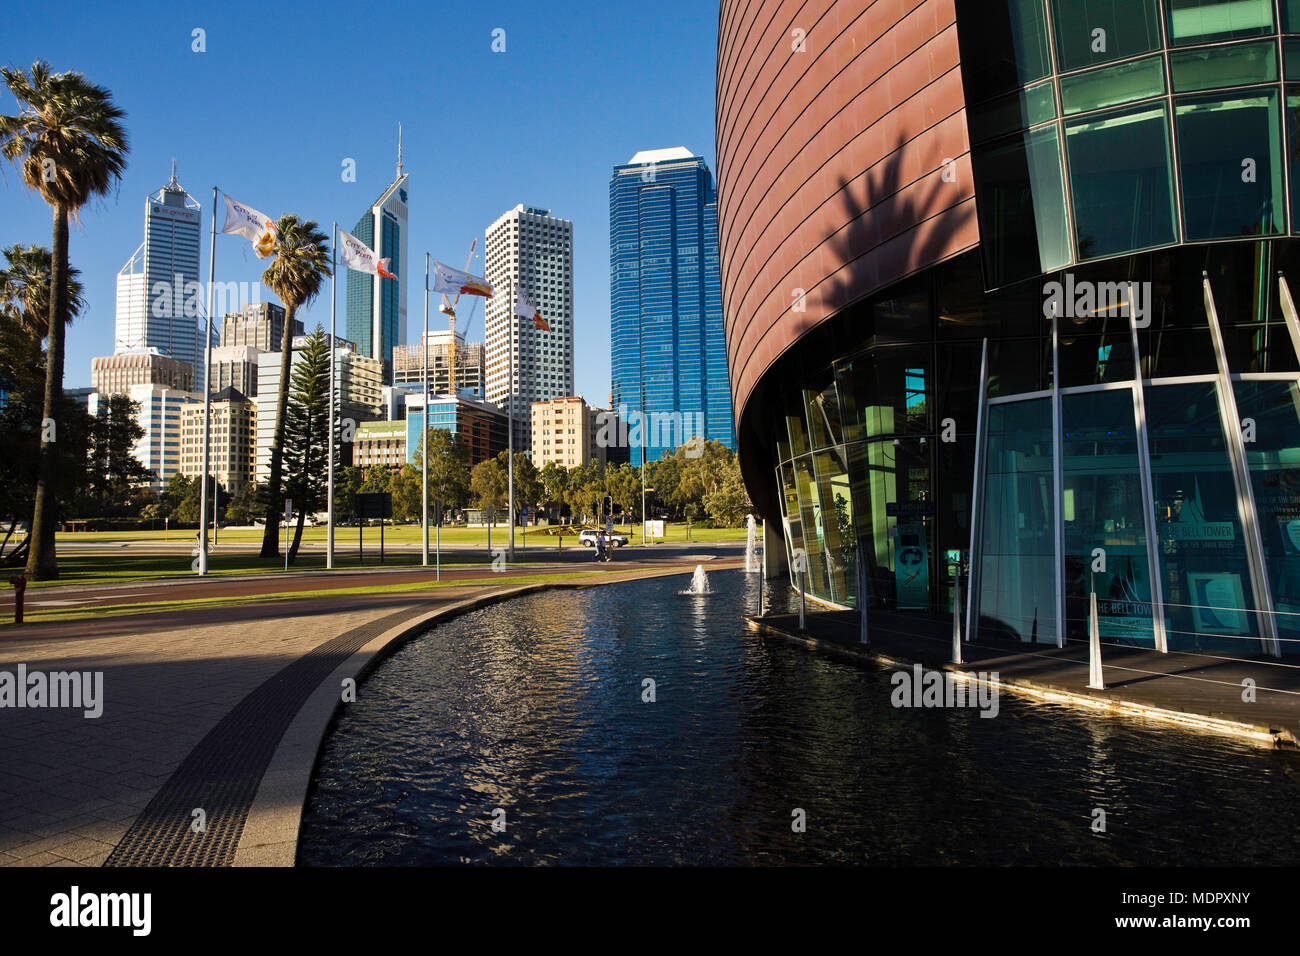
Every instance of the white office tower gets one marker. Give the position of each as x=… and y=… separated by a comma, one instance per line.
x=160, y=299
x=529, y=246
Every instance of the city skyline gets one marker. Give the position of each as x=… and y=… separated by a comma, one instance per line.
x=213, y=117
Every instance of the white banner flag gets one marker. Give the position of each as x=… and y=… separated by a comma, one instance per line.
x=258, y=228
x=359, y=257
x=524, y=307
x=454, y=281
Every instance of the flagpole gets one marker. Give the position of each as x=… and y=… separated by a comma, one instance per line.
x=424, y=420
x=207, y=394
x=329, y=482
x=510, y=416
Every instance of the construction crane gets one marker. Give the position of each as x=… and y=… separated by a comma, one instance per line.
x=449, y=309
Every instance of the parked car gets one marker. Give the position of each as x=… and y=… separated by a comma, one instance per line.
x=588, y=538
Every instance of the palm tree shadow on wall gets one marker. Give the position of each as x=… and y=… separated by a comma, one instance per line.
x=895, y=227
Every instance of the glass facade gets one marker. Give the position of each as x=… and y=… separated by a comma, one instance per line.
x=1091, y=479
x=1108, y=127
x=666, y=333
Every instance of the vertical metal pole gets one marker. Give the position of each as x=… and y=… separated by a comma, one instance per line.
x=1148, y=497
x=1058, y=488
x=438, y=541
x=510, y=415
x=1245, y=490
x=329, y=482
x=863, y=601
x=424, y=423
x=1095, y=681
x=207, y=396
x=803, y=589
x=956, y=618
x=977, y=499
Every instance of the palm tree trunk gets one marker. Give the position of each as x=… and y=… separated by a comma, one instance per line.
x=274, y=506
x=42, y=563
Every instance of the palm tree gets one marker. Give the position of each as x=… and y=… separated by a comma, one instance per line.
x=25, y=289
x=69, y=145
x=300, y=267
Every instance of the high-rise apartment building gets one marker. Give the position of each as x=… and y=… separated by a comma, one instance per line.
x=564, y=431
x=159, y=449
x=666, y=334
x=232, y=445
x=376, y=307
x=258, y=325
x=117, y=374
x=159, y=297
x=534, y=249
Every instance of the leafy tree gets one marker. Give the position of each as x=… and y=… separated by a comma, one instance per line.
x=182, y=499
x=377, y=480
x=300, y=267
x=115, y=474
x=487, y=485
x=306, y=432
x=728, y=505
x=404, y=486
x=347, y=484
x=69, y=145
x=528, y=482
x=449, y=474
x=555, y=484
x=248, y=502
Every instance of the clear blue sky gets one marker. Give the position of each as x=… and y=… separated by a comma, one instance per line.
x=286, y=92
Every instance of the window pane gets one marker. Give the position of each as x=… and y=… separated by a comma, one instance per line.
x=1291, y=58
x=1291, y=16
x=1100, y=31
x=1293, y=145
x=1120, y=180
x=840, y=544
x=1113, y=85
x=1203, y=21
x=1022, y=206
x=1007, y=114
x=1018, y=558
x=1102, y=508
x=1003, y=45
x=1230, y=165
x=885, y=392
x=1204, y=571
x=1274, y=462
x=1238, y=65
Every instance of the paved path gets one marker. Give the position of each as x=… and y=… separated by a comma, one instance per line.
x=194, y=705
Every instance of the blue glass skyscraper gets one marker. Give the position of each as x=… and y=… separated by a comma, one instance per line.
x=376, y=308
x=666, y=338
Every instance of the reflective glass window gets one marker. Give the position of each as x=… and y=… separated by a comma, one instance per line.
x=1120, y=181
x=1204, y=571
x=887, y=392
x=1293, y=150
x=810, y=520
x=1205, y=21
x=1230, y=165
x=1003, y=45
x=1099, y=31
x=839, y=547
x=1238, y=64
x=1291, y=58
x=1021, y=206
x=1113, y=85
x=1102, y=508
x=1290, y=16
x=1018, y=556
x=1274, y=461
x=1007, y=114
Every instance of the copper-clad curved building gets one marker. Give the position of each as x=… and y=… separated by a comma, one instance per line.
x=1001, y=279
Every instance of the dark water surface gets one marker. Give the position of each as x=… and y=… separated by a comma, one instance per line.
x=535, y=707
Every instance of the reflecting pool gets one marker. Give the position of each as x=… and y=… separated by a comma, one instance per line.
x=539, y=707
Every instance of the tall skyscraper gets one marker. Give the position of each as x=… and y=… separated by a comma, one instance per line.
x=530, y=247
x=159, y=297
x=376, y=307
x=666, y=302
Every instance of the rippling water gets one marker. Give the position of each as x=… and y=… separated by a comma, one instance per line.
x=535, y=706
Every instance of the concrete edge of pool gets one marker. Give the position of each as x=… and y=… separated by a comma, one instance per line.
x=270, y=832
x=1259, y=735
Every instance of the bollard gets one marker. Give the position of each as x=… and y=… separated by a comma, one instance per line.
x=1095, y=679
x=20, y=585
x=802, y=600
x=862, y=602
x=956, y=620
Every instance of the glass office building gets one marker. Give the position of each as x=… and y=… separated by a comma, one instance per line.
x=375, y=307
x=1101, y=392
x=666, y=337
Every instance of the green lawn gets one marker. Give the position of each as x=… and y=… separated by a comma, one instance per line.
x=401, y=534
